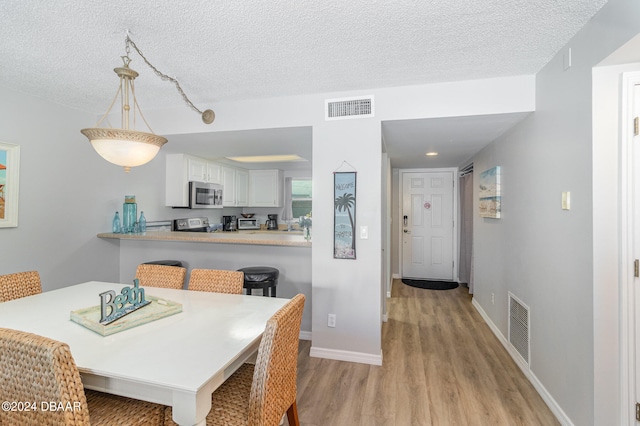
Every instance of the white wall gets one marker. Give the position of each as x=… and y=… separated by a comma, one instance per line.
x=560, y=263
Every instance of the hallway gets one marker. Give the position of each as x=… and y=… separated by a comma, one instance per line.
x=442, y=365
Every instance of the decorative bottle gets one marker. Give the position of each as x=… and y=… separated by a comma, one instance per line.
x=142, y=222
x=129, y=214
x=115, y=227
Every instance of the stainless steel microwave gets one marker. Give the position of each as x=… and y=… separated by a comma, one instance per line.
x=204, y=195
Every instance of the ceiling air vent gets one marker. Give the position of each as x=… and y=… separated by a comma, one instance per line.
x=358, y=107
x=519, y=327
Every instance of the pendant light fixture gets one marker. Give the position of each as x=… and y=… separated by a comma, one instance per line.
x=126, y=146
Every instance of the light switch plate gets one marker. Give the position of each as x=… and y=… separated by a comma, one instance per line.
x=364, y=232
x=566, y=200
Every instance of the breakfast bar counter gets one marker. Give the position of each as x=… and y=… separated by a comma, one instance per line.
x=286, y=251
x=257, y=237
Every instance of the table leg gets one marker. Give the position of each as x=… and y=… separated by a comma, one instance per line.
x=191, y=409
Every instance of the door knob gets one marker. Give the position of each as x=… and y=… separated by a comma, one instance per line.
x=406, y=231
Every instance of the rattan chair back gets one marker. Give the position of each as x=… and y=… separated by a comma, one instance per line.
x=164, y=276
x=39, y=369
x=273, y=391
x=20, y=284
x=216, y=280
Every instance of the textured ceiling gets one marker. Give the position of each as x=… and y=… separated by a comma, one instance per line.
x=64, y=50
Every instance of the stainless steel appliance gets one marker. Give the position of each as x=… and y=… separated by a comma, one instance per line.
x=229, y=223
x=248, y=223
x=272, y=221
x=191, y=224
x=204, y=195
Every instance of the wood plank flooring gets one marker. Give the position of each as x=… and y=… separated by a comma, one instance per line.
x=442, y=365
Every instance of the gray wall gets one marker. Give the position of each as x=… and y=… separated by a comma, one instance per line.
x=545, y=255
x=66, y=191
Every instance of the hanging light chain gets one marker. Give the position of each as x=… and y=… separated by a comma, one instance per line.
x=207, y=116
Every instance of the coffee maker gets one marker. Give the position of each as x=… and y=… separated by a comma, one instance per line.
x=229, y=223
x=272, y=221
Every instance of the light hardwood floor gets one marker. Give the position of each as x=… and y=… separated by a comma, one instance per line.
x=442, y=365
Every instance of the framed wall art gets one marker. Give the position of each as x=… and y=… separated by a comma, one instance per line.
x=489, y=194
x=9, y=175
x=344, y=215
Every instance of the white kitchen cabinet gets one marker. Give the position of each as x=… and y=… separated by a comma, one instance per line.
x=183, y=168
x=242, y=188
x=202, y=170
x=266, y=188
x=196, y=169
x=214, y=172
x=235, y=183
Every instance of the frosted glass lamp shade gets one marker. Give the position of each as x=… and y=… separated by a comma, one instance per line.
x=126, y=148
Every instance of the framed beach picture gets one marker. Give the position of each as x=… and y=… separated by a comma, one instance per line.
x=9, y=174
x=344, y=215
x=489, y=194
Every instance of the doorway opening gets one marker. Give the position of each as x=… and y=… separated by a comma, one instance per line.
x=428, y=224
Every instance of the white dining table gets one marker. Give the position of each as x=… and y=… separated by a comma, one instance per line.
x=178, y=360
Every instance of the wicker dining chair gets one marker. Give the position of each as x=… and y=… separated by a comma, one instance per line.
x=41, y=371
x=260, y=394
x=19, y=284
x=164, y=276
x=216, y=280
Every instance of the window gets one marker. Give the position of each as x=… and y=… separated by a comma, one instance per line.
x=301, y=197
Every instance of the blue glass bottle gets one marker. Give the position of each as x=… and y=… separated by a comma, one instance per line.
x=129, y=214
x=142, y=222
x=115, y=227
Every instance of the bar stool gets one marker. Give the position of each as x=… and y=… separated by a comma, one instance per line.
x=264, y=277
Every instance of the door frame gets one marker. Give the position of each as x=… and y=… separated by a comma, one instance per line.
x=627, y=228
x=455, y=213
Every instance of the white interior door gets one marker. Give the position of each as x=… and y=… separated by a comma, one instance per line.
x=427, y=225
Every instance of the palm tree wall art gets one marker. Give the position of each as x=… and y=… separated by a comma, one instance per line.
x=344, y=214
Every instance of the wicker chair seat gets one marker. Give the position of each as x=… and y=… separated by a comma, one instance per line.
x=106, y=409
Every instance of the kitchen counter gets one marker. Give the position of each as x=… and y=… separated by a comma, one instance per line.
x=253, y=237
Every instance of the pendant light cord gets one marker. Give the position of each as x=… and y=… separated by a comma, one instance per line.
x=207, y=116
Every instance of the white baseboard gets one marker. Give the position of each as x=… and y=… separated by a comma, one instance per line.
x=546, y=396
x=349, y=356
x=398, y=276
x=305, y=335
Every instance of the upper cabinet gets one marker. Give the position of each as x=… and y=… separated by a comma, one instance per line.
x=235, y=184
x=240, y=187
x=183, y=168
x=266, y=188
x=202, y=170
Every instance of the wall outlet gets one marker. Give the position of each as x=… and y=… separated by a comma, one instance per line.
x=493, y=299
x=331, y=320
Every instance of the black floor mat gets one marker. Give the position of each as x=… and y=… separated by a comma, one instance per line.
x=430, y=285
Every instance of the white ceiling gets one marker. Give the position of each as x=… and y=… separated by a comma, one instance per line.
x=64, y=50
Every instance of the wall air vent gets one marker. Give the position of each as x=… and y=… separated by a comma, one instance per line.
x=519, y=335
x=357, y=107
